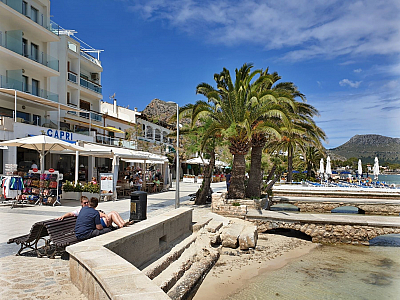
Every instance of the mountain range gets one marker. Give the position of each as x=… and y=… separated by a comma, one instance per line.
x=367, y=146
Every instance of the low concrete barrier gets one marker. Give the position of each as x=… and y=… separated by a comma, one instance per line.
x=108, y=266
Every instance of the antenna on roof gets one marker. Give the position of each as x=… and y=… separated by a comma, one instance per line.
x=112, y=97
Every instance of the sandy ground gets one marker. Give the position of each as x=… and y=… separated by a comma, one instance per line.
x=235, y=268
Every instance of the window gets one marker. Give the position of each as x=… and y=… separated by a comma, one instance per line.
x=37, y=120
x=68, y=98
x=34, y=51
x=24, y=116
x=34, y=14
x=24, y=8
x=25, y=84
x=84, y=105
x=25, y=47
x=35, y=87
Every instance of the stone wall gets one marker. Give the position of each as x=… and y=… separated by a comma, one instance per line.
x=328, y=233
x=108, y=266
x=327, y=206
x=223, y=206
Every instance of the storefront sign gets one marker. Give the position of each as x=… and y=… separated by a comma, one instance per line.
x=58, y=134
x=106, y=183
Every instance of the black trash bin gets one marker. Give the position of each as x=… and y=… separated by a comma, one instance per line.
x=138, y=206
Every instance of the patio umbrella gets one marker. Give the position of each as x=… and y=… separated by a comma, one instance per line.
x=359, y=170
x=42, y=144
x=376, y=168
x=328, y=170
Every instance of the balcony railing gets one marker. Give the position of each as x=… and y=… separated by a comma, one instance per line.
x=9, y=83
x=13, y=42
x=72, y=77
x=40, y=19
x=91, y=58
x=94, y=116
x=90, y=85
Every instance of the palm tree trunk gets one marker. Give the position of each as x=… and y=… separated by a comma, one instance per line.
x=290, y=164
x=236, y=189
x=271, y=173
x=253, y=189
x=202, y=193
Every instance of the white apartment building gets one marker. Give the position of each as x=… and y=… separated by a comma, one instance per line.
x=123, y=118
x=50, y=83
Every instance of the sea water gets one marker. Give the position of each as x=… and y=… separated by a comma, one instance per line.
x=389, y=179
x=333, y=272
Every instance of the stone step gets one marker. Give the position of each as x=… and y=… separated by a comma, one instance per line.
x=169, y=276
x=201, y=223
x=154, y=269
x=188, y=284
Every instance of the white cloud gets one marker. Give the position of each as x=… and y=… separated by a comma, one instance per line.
x=314, y=28
x=350, y=83
x=357, y=70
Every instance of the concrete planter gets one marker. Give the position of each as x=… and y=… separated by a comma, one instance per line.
x=72, y=195
x=90, y=195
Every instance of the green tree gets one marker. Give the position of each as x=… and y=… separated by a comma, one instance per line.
x=237, y=108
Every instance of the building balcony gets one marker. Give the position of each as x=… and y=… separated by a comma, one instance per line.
x=91, y=85
x=13, y=41
x=72, y=77
x=10, y=83
x=15, y=14
x=93, y=115
x=90, y=58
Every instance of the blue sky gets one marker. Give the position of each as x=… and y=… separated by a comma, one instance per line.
x=343, y=55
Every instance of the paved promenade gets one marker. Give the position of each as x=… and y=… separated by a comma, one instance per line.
x=29, y=277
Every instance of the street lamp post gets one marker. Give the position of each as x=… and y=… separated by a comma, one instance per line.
x=177, y=156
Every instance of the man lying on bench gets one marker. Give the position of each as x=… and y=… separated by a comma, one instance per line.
x=88, y=223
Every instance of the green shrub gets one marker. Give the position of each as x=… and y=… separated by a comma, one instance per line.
x=91, y=188
x=68, y=186
x=235, y=204
x=78, y=188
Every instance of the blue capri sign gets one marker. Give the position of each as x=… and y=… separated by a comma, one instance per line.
x=58, y=134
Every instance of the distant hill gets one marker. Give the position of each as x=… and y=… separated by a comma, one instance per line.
x=368, y=146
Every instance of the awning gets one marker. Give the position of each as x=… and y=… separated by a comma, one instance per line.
x=95, y=125
x=40, y=100
x=124, y=153
x=109, y=128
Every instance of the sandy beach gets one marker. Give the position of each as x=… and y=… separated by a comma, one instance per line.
x=236, y=268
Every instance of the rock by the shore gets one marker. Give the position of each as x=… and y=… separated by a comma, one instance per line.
x=230, y=235
x=248, y=237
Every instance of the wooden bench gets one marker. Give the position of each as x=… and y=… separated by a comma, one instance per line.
x=61, y=234
x=31, y=239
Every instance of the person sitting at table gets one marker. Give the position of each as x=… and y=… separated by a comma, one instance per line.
x=138, y=183
x=94, y=181
x=157, y=183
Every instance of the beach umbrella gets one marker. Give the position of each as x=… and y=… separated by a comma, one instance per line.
x=328, y=170
x=359, y=170
x=376, y=168
x=321, y=166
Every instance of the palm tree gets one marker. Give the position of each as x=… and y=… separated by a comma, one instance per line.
x=312, y=158
x=239, y=106
x=278, y=96
x=299, y=133
x=199, y=113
